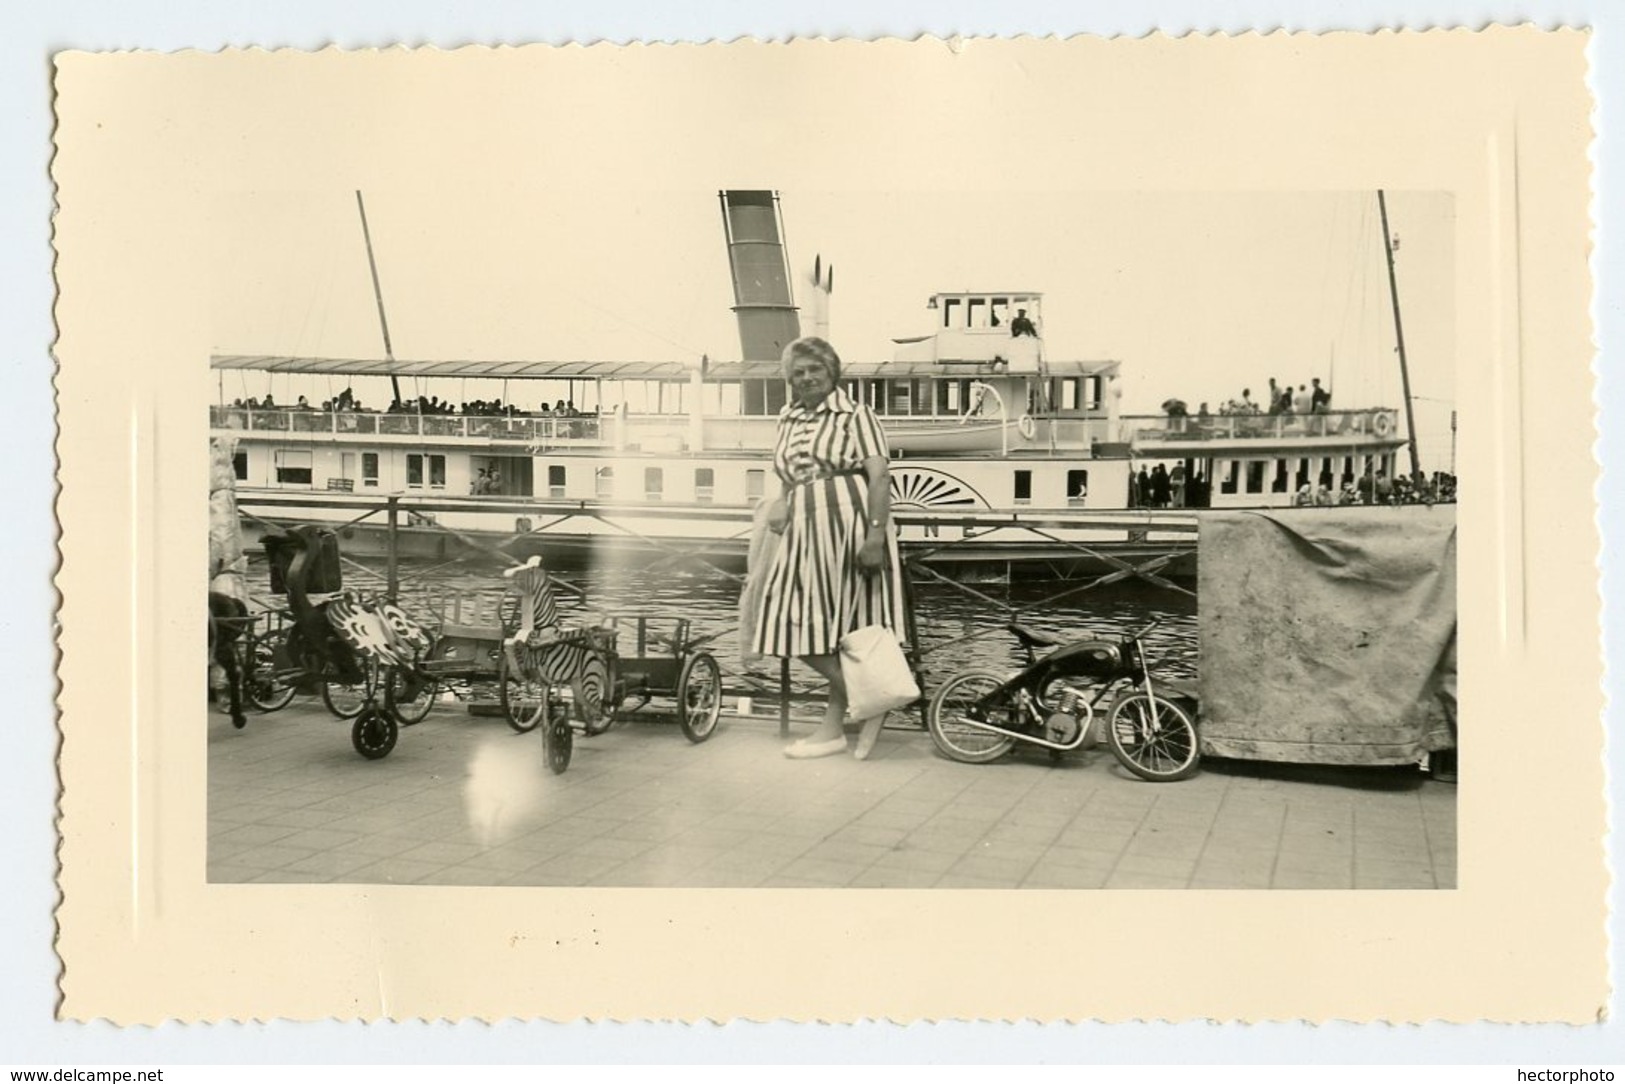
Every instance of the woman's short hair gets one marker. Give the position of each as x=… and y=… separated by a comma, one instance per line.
x=811, y=346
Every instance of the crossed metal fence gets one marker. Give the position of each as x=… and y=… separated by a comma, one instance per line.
x=1150, y=562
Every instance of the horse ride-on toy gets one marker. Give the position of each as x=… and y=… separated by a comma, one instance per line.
x=542, y=658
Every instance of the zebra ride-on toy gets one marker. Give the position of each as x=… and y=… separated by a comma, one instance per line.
x=338, y=637
x=543, y=657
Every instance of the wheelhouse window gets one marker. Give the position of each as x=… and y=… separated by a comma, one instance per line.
x=1255, y=476
x=654, y=483
x=369, y=469
x=755, y=485
x=1024, y=487
x=555, y=480
x=1279, y=483
x=293, y=467
x=239, y=466
x=604, y=482
x=1077, y=487
x=705, y=480
x=1227, y=478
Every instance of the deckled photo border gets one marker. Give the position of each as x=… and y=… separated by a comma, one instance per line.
x=1503, y=123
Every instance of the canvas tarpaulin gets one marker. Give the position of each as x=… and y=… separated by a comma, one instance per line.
x=1328, y=635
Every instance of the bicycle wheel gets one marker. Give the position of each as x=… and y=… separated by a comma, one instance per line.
x=410, y=711
x=955, y=710
x=374, y=732
x=344, y=699
x=699, y=696
x=267, y=690
x=523, y=699
x=1154, y=738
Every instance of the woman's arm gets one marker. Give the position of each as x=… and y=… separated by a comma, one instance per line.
x=873, y=553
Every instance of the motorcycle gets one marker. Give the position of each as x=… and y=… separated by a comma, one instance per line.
x=978, y=715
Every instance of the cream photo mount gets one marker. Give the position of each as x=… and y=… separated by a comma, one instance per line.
x=146, y=146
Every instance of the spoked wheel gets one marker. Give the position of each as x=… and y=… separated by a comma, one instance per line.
x=344, y=698
x=699, y=696
x=1154, y=738
x=558, y=741
x=409, y=711
x=955, y=710
x=267, y=690
x=523, y=699
x=374, y=732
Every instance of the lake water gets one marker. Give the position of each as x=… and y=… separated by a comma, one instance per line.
x=957, y=630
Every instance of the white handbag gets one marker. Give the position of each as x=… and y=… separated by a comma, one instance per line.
x=876, y=672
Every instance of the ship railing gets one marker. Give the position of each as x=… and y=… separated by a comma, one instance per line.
x=528, y=429
x=1153, y=562
x=1162, y=428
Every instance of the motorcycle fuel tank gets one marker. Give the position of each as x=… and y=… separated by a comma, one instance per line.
x=1097, y=659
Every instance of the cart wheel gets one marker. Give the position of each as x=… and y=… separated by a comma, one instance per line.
x=267, y=690
x=524, y=700
x=699, y=696
x=374, y=732
x=344, y=699
x=558, y=741
x=409, y=712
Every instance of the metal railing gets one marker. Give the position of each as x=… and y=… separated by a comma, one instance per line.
x=521, y=428
x=1373, y=425
x=1136, y=558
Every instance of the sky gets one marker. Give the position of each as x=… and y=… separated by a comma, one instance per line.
x=1198, y=294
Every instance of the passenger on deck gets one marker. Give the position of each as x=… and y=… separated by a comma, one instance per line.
x=1176, y=484
x=1160, y=489
x=1320, y=400
x=1022, y=326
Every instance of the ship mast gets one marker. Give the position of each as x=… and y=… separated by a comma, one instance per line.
x=1399, y=335
x=378, y=295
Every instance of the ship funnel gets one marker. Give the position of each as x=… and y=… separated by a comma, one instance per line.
x=761, y=274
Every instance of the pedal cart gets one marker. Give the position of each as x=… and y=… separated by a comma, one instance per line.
x=542, y=658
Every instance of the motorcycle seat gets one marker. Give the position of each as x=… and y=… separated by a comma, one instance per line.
x=1034, y=638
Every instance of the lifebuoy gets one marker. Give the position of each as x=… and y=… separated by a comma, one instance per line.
x=1382, y=425
x=1027, y=426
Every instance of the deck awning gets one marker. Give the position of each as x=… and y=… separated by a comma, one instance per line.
x=620, y=370
x=502, y=370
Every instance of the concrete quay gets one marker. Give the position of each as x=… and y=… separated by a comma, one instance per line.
x=463, y=800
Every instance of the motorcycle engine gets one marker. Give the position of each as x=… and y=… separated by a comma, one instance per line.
x=1061, y=728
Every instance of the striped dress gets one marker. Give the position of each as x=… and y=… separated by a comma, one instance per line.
x=815, y=591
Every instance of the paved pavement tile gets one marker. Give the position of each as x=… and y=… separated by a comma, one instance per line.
x=289, y=801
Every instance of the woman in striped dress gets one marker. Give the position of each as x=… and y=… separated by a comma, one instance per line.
x=837, y=566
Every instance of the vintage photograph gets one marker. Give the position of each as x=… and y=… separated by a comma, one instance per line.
x=684, y=522
x=761, y=537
